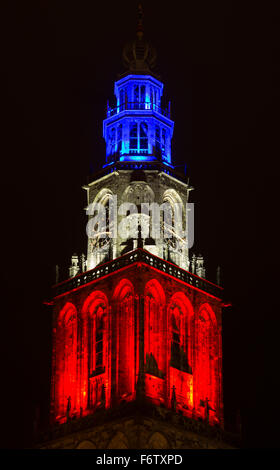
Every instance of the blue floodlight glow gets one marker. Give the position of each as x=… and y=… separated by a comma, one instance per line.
x=138, y=128
x=137, y=158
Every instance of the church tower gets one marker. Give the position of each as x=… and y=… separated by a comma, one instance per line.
x=137, y=329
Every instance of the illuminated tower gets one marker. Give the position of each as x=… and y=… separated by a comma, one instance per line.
x=138, y=168
x=137, y=337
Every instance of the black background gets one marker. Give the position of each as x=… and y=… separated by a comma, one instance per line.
x=219, y=62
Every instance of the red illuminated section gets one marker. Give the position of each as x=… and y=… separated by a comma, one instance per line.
x=141, y=322
x=123, y=340
x=155, y=334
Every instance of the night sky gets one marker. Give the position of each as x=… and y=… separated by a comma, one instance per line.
x=219, y=62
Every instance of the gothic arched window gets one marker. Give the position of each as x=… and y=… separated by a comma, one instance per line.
x=139, y=95
x=66, y=359
x=155, y=331
x=96, y=340
x=206, y=361
x=100, y=234
x=124, y=326
x=173, y=221
x=176, y=340
x=179, y=346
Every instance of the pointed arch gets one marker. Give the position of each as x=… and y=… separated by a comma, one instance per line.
x=155, y=328
x=174, y=218
x=208, y=313
x=124, y=325
x=180, y=350
x=66, y=360
x=100, y=246
x=154, y=289
x=123, y=289
x=92, y=301
x=103, y=196
x=118, y=441
x=207, y=362
x=171, y=196
x=180, y=316
x=95, y=383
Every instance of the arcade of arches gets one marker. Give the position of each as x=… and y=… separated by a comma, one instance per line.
x=102, y=346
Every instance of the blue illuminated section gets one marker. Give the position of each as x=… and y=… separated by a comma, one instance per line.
x=137, y=128
x=135, y=158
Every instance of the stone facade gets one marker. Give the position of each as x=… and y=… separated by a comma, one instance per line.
x=138, y=187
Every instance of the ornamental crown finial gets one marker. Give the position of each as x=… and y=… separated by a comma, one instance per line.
x=139, y=31
x=139, y=56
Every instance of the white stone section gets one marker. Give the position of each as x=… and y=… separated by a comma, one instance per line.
x=138, y=187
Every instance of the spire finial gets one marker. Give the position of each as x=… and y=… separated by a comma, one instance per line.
x=139, y=56
x=139, y=31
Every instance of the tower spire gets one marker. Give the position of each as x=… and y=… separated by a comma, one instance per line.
x=139, y=30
